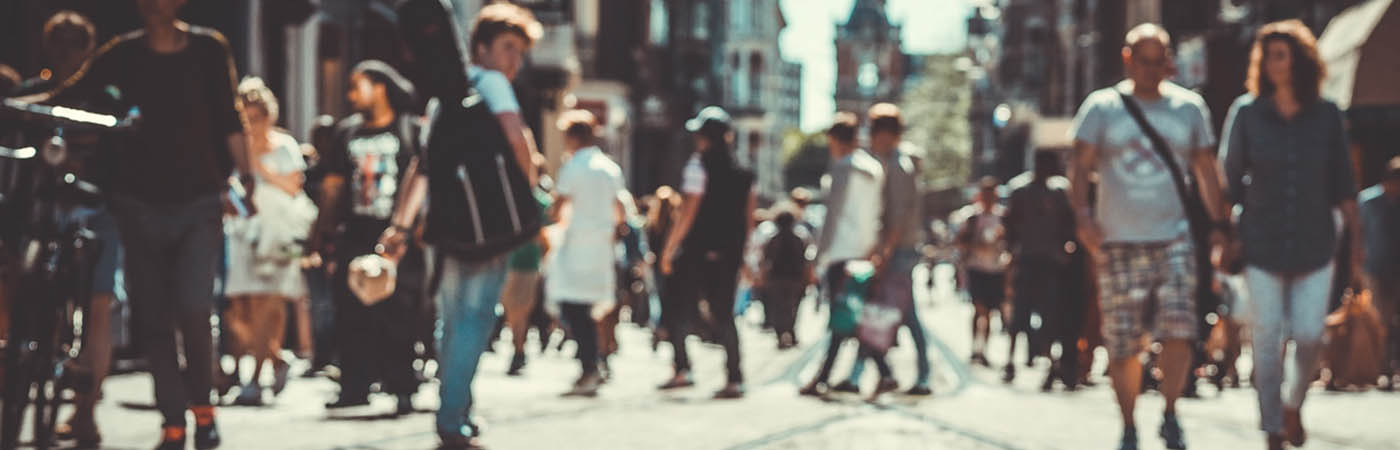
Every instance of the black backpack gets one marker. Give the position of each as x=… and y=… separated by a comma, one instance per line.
x=480, y=204
x=785, y=255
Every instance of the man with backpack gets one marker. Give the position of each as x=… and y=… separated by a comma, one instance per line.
x=785, y=270
x=477, y=167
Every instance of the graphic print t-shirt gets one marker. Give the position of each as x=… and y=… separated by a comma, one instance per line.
x=1137, y=201
x=372, y=160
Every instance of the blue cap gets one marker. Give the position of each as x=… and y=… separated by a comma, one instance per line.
x=709, y=116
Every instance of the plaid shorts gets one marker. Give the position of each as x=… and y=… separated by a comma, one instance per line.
x=1142, y=284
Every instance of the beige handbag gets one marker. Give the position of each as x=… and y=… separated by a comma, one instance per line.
x=372, y=278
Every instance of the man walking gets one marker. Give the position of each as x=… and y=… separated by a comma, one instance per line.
x=901, y=234
x=1380, y=222
x=1138, y=230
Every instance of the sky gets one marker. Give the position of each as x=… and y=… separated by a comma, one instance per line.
x=930, y=26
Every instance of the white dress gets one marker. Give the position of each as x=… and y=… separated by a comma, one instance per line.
x=582, y=267
x=264, y=250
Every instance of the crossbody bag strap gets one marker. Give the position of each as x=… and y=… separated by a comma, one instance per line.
x=1159, y=145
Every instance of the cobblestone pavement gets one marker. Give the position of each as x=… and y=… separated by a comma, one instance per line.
x=971, y=408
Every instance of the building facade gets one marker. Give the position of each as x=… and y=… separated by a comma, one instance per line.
x=870, y=62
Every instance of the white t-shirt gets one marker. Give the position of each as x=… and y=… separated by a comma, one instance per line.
x=693, y=178
x=582, y=265
x=495, y=89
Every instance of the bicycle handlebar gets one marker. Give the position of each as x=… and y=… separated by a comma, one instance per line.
x=66, y=117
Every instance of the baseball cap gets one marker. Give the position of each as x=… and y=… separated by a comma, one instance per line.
x=709, y=116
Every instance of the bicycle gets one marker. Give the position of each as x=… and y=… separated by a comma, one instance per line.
x=50, y=260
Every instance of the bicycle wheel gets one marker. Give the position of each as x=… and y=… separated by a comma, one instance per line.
x=48, y=390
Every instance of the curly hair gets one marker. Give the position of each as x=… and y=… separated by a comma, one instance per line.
x=1307, y=67
x=252, y=91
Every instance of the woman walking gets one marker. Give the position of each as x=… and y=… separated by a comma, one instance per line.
x=1292, y=146
x=264, y=270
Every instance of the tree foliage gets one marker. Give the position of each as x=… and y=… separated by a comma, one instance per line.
x=937, y=110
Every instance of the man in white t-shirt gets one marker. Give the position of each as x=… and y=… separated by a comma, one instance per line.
x=582, y=274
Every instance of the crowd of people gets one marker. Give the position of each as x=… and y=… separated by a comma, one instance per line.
x=380, y=245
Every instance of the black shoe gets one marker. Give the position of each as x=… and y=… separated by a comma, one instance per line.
x=920, y=390
x=1049, y=384
x=458, y=442
x=405, y=406
x=1130, y=440
x=681, y=380
x=846, y=387
x=206, y=437
x=172, y=437
x=886, y=385
x=813, y=389
x=732, y=390
x=1008, y=374
x=517, y=362
x=1171, y=433
x=345, y=402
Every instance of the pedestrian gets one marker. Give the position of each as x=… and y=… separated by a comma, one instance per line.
x=520, y=293
x=165, y=196
x=981, y=240
x=901, y=234
x=468, y=283
x=69, y=39
x=1139, y=230
x=705, y=248
x=364, y=169
x=1040, y=234
x=264, y=257
x=582, y=277
x=1380, y=227
x=850, y=233
x=663, y=211
x=785, y=270
x=1292, y=145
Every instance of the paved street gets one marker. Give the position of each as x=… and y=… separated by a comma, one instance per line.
x=971, y=408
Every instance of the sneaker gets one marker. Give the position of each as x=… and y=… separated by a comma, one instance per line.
x=731, y=391
x=517, y=362
x=813, y=389
x=1276, y=442
x=249, y=395
x=1130, y=440
x=846, y=387
x=1293, y=427
x=920, y=390
x=1049, y=384
x=1008, y=374
x=206, y=433
x=681, y=380
x=1171, y=433
x=82, y=431
x=405, y=405
x=172, y=437
x=347, y=402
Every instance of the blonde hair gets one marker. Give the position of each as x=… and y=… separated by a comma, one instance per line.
x=252, y=91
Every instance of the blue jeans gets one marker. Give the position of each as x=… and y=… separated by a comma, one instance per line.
x=467, y=297
x=899, y=280
x=1286, y=306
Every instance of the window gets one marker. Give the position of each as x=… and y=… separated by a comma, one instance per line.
x=756, y=73
x=702, y=20
x=738, y=17
x=755, y=143
x=660, y=26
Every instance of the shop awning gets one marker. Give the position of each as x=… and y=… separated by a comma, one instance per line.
x=1362, y=56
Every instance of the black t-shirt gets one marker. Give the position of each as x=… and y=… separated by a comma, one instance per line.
x=372, y=161
x=186, y=100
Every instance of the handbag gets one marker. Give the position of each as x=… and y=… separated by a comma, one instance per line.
x=846, y=309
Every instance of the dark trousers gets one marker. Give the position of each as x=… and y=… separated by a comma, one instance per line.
x=780, y=300
x=716, y=281
x=373, y=342
x=318, y=288
x=579, y=317
x=1039, y=287
x=172, y=254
